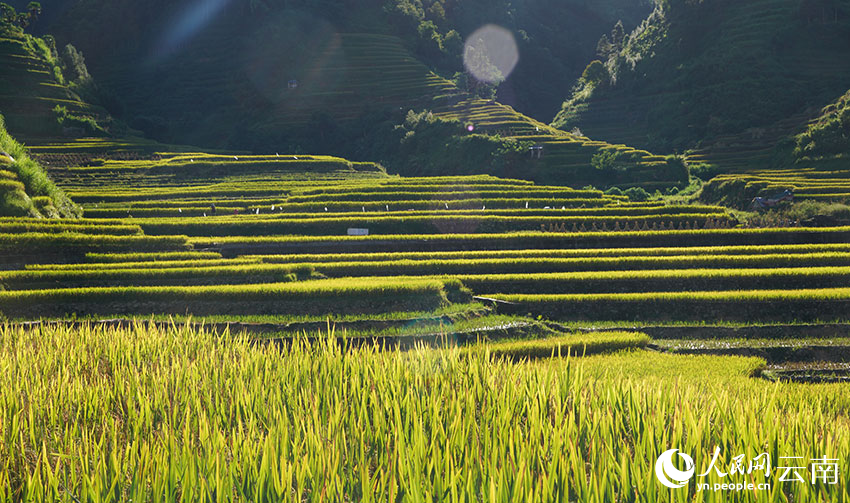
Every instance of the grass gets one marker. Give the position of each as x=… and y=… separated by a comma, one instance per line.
x=34, y=182
x=174, y=414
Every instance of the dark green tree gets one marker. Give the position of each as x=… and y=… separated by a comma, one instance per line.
x=604, y=48
x=618, y=35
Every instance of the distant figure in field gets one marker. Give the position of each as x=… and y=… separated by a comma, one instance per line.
x=212, y=208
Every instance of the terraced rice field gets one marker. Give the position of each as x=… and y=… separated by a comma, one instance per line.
x=161, y=232
x=178, y=253
x=281, y=244
x=818, y=184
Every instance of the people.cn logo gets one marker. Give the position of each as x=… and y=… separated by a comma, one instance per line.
x=671, y=476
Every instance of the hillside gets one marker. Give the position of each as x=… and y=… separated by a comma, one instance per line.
x=555, y=37
x=811, y=164
x=25, y=189
x=356, y=95
x=37, y=98
x=734, y=78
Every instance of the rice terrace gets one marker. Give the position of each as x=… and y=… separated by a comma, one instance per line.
x=425, y=250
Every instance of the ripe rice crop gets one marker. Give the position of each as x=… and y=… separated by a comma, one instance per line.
x=448, y=195
x=69, y=227
x=32, y=247
x=557, y=253
x=151, y=263
x=160, y=415
x=143, y=274
x=564, y=345
x=139, y=257
x=303, y=297
x=807, y=305
x=241, y=226
x=544, y=265
x=660, y=280
x=524, y=240
x=398, y=210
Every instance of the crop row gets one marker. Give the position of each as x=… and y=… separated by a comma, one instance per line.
x=397, y=211
x=144, y=275
x=380, y=187
x=150, y=257
x=485, y=277
x=565, y=345
x=265, y=204
x=449, y=195
x=50, y=227
x=37, y=247
x=667, y=280
x=95, y=196
x=744, y=306
x=308, y=297
x=244, y=245
x=545, y=265
x=555, y=253
x=437, y=224
x=148, y=263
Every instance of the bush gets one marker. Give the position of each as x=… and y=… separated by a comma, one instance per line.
x=637, y=194
x=86, y=124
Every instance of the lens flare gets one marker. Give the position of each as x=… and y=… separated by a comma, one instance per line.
x=491, y=54
x=189, y=24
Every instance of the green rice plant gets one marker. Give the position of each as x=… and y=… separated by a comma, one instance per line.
x=578, y=344
x=175, y=414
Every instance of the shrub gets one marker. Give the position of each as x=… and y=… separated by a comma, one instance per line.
x=637, y=194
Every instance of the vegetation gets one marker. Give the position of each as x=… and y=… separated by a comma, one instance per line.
x=481, y=307
x=22, y=181
x=575, y=345
x=760, y=64
x=158, y=398
x=829, y=135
